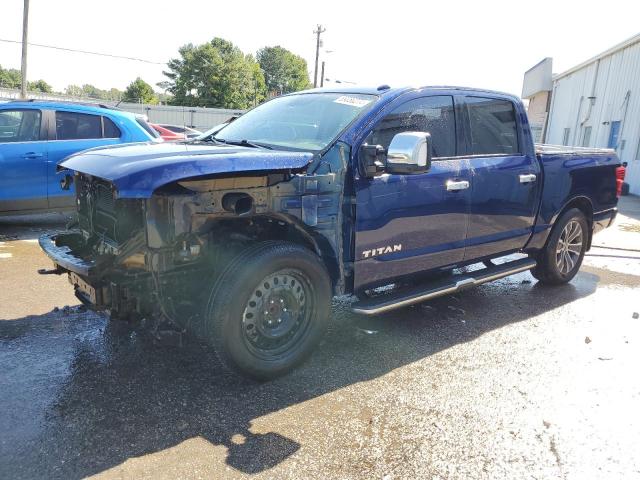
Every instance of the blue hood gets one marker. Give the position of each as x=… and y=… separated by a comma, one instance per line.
x=138, y=169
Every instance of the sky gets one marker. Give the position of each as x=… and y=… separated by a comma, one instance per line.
x=483, y=44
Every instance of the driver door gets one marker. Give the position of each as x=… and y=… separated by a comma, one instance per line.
x=413, y=223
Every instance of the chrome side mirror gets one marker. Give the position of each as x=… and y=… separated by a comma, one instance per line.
x=409, y=152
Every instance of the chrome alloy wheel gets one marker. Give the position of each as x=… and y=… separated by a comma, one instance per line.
x=569, y=247
x=277, y=315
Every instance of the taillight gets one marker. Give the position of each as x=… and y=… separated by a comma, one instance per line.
x=620, y=173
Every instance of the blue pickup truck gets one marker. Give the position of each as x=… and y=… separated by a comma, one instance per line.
x=36, y=135
x=242, y=236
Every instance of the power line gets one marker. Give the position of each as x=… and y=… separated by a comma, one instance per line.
x=100, y=54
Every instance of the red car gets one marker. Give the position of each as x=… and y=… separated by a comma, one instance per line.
x=166, y=134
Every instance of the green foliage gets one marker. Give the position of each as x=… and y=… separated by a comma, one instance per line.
x=114, y=94
x=140, y=91
x=39, y=86
x=90, y=91
x=74, y=91
x=284, y=72
x=215, y=74
x=10, y=78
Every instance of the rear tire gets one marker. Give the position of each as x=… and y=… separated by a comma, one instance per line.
x=562, y=256
x=268, y=309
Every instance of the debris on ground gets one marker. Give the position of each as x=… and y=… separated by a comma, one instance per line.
x=587, y=340
x=635, y=315
x=366, y=331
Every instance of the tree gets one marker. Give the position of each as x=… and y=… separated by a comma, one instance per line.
x=140, y=91
x=10, y=78
x=74, y=91
x=215, y=74
x=114, y=94
x=89, y=90
x=40, y=86
x=284, y=72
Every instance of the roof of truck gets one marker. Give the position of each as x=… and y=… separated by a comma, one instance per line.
x=386, y=90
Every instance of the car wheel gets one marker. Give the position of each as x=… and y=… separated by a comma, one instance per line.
x=562, y=256
x=268, y=309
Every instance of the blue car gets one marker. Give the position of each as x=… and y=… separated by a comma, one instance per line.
x=36, y=135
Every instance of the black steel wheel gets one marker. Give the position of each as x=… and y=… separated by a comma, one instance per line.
x=268, y=309
x=562, y=256
x=278, y=314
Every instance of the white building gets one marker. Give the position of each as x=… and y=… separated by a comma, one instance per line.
x=594, y=104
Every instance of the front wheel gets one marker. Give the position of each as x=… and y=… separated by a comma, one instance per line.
x=560, y=261
x=268, y=309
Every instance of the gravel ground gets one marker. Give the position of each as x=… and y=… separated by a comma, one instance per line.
x=509, y=380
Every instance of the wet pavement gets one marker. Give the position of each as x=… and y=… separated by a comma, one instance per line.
x=509, y=380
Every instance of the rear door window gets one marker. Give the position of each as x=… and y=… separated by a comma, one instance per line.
x=434, y=115
x=78, y=126
x=494, y=130
x=20, y=125
x=109, y=128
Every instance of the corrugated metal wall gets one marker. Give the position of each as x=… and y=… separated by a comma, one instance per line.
x=617, y=98
x=196, y=117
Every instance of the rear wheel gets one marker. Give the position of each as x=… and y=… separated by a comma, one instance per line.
x=560, y=261
x=268, y=309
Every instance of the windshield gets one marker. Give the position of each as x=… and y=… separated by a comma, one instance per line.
x=306, y=121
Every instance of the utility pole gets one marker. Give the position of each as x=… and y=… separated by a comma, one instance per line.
x=318, y=32
x=25, y=29
x=322, y=75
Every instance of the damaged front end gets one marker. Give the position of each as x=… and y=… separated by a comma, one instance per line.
x=159, y=255
x=103, y=251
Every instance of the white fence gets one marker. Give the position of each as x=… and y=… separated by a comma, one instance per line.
x=196, y=117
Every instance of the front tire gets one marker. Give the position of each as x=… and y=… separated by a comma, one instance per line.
x=268, y=309
x=562, y=256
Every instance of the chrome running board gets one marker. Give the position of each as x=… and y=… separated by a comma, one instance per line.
x=437, y=288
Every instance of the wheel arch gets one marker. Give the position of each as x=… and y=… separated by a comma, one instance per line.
x=583, y=204
x=286, y=228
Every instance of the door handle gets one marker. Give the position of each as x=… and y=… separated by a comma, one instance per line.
x=32, y=155
x=528, y=178
x=453, y=186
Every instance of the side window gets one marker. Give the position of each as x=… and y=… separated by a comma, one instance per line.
x=434, y=115
x=19, y=125
x=147, y=128
x=109, y=128
x=73, y=126
x=494, y=129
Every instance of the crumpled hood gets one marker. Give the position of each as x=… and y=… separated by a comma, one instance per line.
x=138, y=169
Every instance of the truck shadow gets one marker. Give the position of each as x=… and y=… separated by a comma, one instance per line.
x=84, y=395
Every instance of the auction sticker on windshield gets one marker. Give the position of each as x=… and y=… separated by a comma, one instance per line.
x=353, y=101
